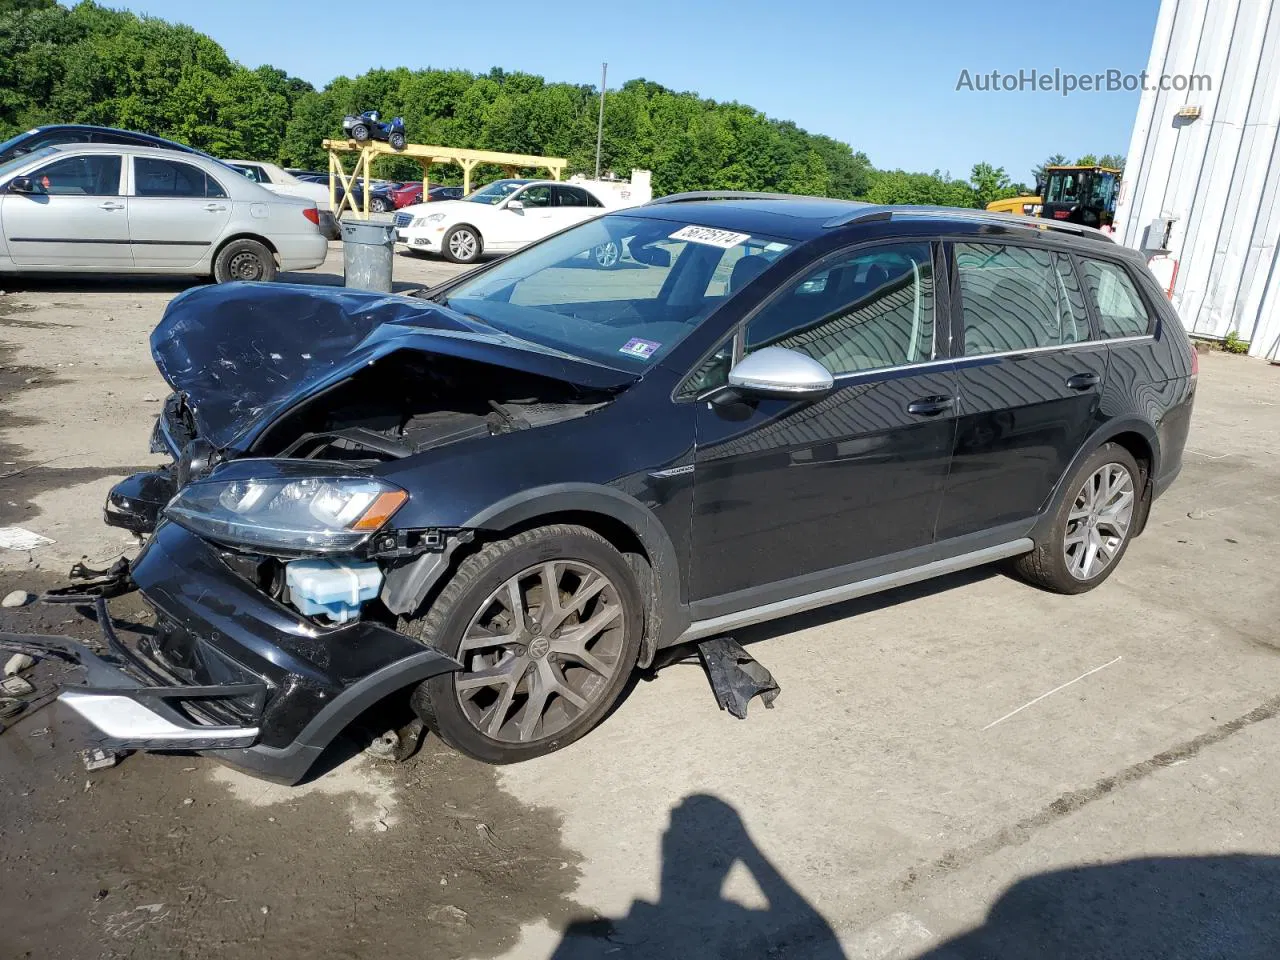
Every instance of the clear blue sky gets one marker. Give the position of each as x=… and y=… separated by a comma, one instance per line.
x=879, y=75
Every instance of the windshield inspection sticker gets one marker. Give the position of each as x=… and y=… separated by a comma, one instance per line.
x=710, y=236
x=635, y=347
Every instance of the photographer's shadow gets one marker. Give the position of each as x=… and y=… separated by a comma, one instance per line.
x=692, y=918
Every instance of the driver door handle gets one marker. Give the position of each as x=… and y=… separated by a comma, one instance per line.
x=1083, y=381
x=930, y=406
x=110, y=205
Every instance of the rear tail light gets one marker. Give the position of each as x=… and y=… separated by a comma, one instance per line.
x=312, y=214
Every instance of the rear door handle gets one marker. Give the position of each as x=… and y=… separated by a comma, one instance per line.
x=1083, y=381
x=214, y=207
x=930, y=406
x=110, y=205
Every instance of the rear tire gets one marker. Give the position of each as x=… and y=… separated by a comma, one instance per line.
x=397, y=141
x=379, y=205
x=359, y=133
x=244, y=260
x=1091, y=526
x=553, y=671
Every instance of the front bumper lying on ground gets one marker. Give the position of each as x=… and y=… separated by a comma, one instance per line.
x=227, y=670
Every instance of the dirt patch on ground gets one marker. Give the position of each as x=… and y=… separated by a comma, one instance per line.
x=178, y=856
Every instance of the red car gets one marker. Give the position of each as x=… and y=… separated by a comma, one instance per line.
x=410, y=193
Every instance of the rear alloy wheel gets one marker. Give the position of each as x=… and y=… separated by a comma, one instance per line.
x=1092, y=525
x=244, y=260
x=396, y=140
x=547, y=627
x=359, y=133
x=462, y=245
x=379, y=205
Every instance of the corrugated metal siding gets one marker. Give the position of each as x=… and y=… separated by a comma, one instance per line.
x=1219, y=175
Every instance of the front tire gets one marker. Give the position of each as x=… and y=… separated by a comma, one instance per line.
x=547, y=626
x=359, y=133
x=1091, y=527
x=244, y=260
x=462, y=244
x=397, y=141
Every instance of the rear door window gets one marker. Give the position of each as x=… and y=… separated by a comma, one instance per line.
x=1018, y=298
x=1121, y=312
x=153, y=177
x=573, y=197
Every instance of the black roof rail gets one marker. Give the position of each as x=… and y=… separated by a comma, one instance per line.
x=887, y=212
x=730, y=195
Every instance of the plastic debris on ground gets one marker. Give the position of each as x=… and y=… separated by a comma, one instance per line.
x=17, y=663
x=16, y=686
x=99, y=759
x=16, y=538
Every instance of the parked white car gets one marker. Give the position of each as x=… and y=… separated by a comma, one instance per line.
x=109, y=208
x=279, y=180
x=503, y=216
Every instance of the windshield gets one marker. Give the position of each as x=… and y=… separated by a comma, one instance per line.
x=620, y=290
x=1064, y=187
x=496, y=192
x=15, y=141
x=23, y=159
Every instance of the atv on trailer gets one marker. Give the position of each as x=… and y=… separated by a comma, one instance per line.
x=369, y=126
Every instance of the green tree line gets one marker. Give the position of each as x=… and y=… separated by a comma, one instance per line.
x=89, y=64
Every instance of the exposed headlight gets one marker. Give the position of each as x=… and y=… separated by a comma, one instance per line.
x=308, y=515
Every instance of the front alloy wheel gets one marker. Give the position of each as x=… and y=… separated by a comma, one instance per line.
x=547, y=628
x=540, y=651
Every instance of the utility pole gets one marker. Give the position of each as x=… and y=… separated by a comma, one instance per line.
x=604, y=80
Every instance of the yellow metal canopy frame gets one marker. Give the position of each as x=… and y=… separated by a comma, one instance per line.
x=427, y=156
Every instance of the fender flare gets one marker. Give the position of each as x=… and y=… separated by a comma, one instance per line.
x=1100, y=436
x=666, y=616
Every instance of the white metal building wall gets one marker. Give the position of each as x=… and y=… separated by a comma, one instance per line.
x=1218, y=175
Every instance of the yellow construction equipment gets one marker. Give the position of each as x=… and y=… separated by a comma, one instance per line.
x=1073, y=193
x=427, y=156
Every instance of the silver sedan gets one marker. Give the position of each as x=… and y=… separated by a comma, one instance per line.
x=109, y=208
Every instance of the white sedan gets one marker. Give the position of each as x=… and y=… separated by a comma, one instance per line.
x=280, y=181
x=503, y=216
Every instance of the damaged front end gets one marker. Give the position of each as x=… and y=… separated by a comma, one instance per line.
x=274, y=561
x=225, y=671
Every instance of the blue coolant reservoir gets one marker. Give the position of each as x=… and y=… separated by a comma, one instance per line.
x=331, y=588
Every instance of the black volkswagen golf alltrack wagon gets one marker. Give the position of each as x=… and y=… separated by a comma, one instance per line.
x=500, y=498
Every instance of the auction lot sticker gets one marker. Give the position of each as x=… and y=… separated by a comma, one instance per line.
x=644, y=349
x=710, y=236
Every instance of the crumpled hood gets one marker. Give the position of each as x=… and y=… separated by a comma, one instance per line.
x=240, y=353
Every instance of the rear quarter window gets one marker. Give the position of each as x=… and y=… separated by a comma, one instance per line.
x=1120, y=308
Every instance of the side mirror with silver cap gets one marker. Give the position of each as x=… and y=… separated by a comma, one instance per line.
x=780, y=373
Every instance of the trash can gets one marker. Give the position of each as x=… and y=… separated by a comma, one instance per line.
x=368, y=250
